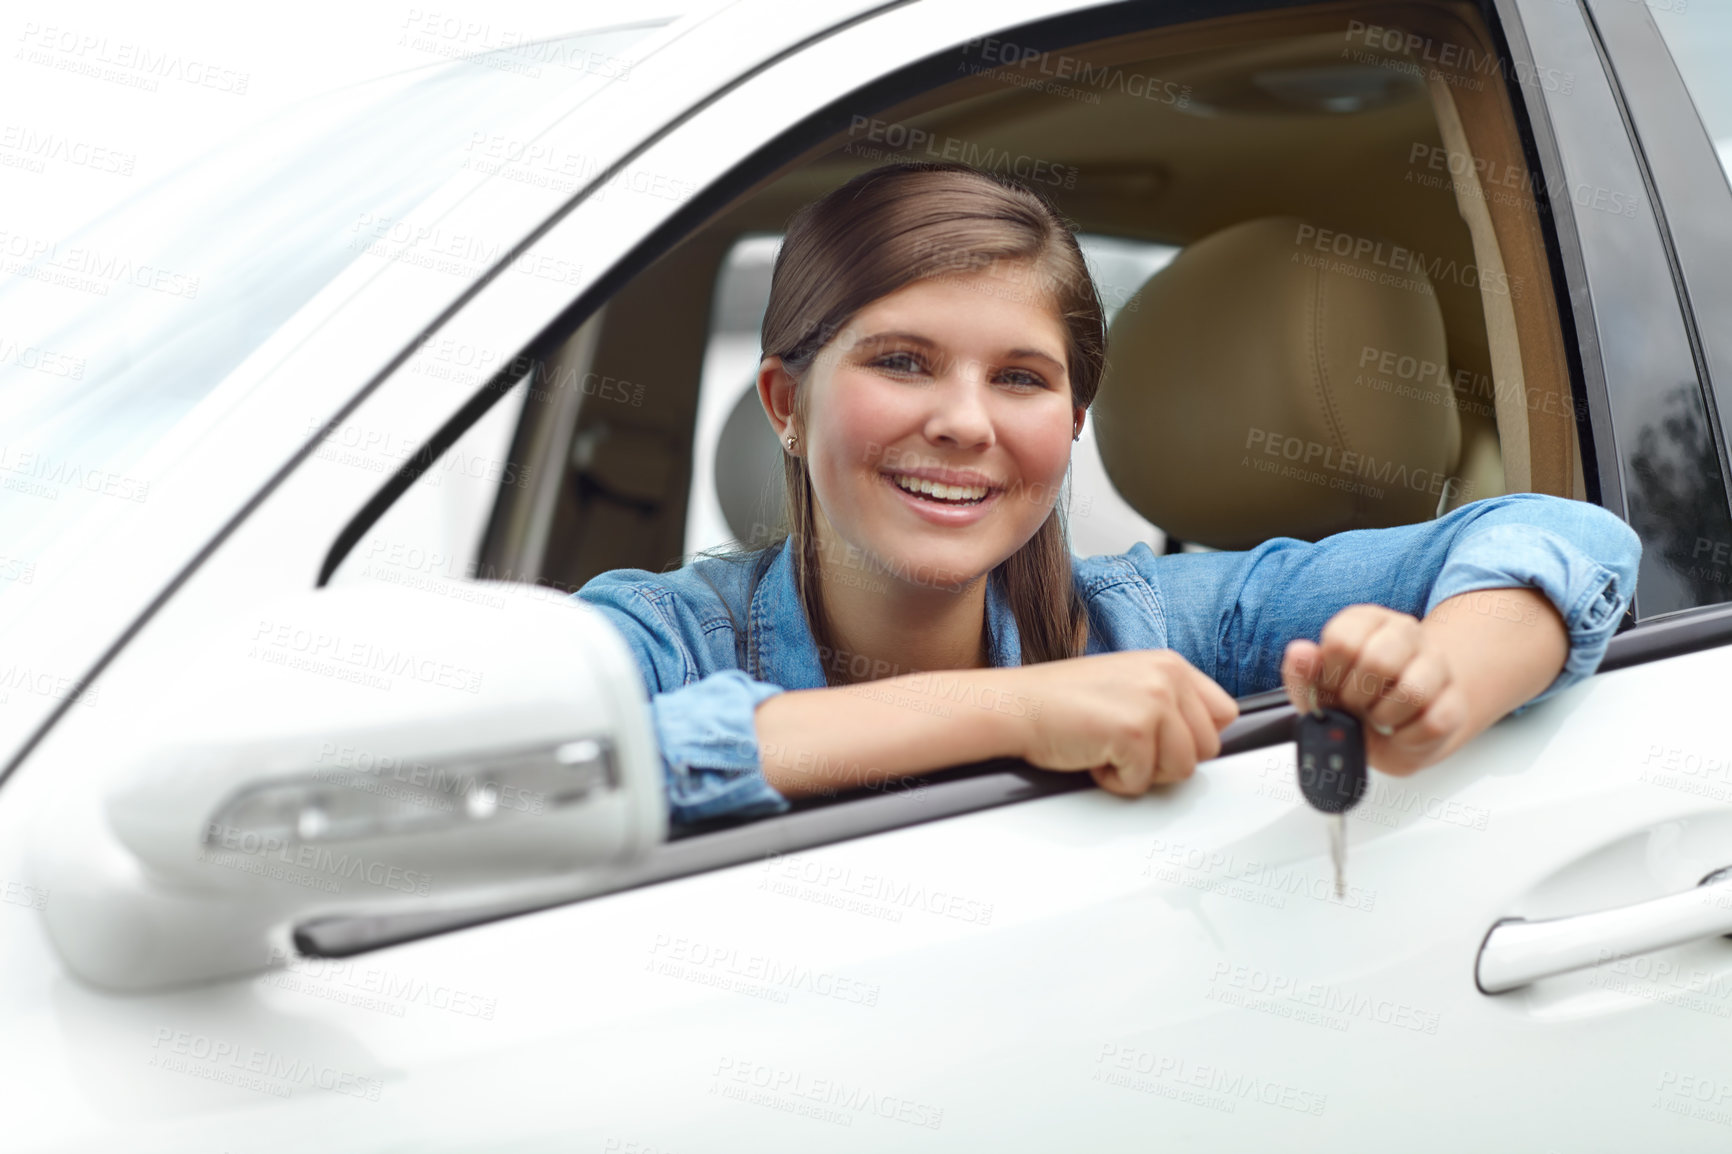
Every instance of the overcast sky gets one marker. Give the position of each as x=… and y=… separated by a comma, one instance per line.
x=1699, y=35
x=98, y=98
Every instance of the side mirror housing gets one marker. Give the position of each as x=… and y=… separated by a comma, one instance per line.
x=357, y=751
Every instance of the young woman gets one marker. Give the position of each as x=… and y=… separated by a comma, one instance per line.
x=931, y=346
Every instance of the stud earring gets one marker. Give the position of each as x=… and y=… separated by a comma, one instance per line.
x=793, y=439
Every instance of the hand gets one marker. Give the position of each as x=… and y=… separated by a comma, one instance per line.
x=1133, y=719
x=1392, y=673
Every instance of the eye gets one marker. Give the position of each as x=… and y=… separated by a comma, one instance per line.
x=903, y=363
x=1023, y=378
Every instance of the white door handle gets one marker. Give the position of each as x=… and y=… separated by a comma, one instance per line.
x=1517, y=952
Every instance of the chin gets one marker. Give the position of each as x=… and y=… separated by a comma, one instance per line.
x=930, y=567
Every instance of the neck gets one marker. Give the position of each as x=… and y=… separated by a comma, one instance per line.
x=883, y=626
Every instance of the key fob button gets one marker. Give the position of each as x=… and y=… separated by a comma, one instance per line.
x=1331, y=750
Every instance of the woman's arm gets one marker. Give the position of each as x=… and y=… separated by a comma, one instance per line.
x=1233, y=614
x=1131, y=719
x=819, y=741
x=1496, y=582
x=733, y=746
x=1427, y=688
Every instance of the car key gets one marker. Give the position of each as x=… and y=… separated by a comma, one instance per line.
x=1331, y=749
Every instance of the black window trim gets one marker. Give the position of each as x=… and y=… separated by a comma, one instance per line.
x=1625, y=368
x=1265, y=720
x=1568, y=267
x=1692, y=189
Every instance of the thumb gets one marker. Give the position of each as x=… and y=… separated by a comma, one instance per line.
x=1107, y=777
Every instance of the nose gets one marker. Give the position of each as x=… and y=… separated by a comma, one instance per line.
x=960, y=416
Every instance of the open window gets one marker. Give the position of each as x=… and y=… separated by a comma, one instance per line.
x=1340, y=190
x=1376, y=147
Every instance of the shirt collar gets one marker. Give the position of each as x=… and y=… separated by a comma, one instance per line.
x=784, y=653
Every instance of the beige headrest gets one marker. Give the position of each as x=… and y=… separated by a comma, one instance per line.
x=1280, y=380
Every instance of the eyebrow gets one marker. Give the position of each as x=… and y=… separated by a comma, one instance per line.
x=929, y=343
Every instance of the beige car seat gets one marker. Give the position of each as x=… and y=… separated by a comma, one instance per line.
x=1277, y=379
x=1257, y=386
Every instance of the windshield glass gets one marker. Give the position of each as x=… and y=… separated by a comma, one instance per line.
x=112, y=337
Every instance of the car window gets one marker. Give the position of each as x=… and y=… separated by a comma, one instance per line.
x=154, y=304
x=1410, y=198
x=1418, y=191
x=1699, y=36
x=728, y=509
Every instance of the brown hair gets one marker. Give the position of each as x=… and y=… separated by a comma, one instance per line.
x=884, y=230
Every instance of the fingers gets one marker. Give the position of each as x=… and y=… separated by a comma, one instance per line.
x=1428, y=737
x=1346, y=679
x=1218, y=705
x=1392, y=645
x=1299, y=669
x=1131, y=757
x=1184, y=711
x=1419, y=684
x=1185, y=703
x=1374, y=662
x=1176, y=748
x=1194, y=714
x=1132, y=770
x=1109, y=779
x=1363, y=662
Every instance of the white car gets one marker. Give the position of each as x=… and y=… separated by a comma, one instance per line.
x=328, y=821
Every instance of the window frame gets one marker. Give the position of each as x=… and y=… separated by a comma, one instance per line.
x=1692, y=189
x=1265, y=718
x=1628, y=332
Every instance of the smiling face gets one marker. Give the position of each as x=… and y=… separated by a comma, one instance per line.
x=954, y=386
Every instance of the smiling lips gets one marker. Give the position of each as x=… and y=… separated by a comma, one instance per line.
x=935, y=490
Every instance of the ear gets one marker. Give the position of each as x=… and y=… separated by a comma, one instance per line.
x=776, y=394
x=1076, y=423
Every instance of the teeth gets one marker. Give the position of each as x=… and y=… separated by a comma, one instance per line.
x=942, y=492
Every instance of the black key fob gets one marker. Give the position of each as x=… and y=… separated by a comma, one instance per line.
x=1331, y=759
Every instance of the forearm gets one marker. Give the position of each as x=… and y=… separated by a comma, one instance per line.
x=1503, y=647
x=818, y=741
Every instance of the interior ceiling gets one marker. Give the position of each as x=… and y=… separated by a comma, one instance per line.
x=1171, y=173
x=1269, y=128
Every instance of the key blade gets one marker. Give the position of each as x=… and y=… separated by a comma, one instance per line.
x=1338, y=852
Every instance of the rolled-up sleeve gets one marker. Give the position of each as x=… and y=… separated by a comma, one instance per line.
x=710, y=748
x=703, y=722
x=1232, y=614
x=1582, y=558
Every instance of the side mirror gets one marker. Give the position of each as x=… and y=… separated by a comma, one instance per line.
x=358, y=751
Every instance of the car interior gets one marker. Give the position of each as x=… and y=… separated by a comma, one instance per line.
x=1327, y=279
x=1358, y=329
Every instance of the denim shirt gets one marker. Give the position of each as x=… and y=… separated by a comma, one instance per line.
x=1231, y=614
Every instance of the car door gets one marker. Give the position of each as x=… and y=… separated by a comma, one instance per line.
x=944, y=968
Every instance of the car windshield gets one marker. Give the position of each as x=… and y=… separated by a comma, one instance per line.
x=111, y=338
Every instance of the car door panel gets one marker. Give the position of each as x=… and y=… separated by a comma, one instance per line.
x=1175, y=965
